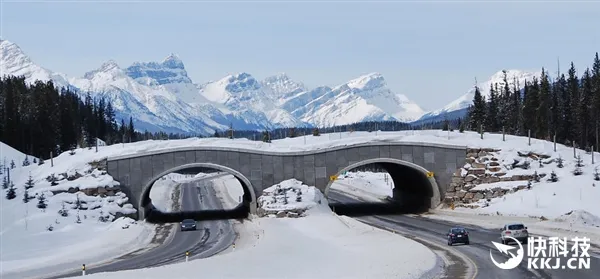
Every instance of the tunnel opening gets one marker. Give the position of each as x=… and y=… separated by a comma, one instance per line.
x=204, y=192
x=380, y=188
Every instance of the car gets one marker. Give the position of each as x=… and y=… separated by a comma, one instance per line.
x=515, y=230
x=458, y=235
x=188, y=225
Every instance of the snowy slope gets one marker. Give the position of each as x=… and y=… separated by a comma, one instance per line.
x=318, y=245
x=466, y=100
x=9, y=154
x=24, y=228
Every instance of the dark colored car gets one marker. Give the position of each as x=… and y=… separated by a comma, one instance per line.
x=458, y=235
x=188, y=225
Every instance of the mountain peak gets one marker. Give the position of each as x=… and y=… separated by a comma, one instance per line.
x=109, y=67
x=173, y=62
x=281, y=85
x=368, y=81
x=239, y=82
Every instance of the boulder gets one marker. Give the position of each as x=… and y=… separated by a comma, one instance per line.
x=73, y=190
x=493, y=163
x=494, y=159
x=469, y=160
x=478, y=196
x=102, y=191
x=470, y=178
x=281, y=214
x=476, y=171
x=495, y=169
x=478, y=165
x=461, y=194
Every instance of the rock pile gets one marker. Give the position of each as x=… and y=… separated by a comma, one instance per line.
x=483, y=167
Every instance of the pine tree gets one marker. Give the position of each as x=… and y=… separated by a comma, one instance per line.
x=543, y=107
x=477, y=113
x=26, y=197
x=315, y=132
x=11, y=193
x=26, y=161
x=131, y=130
x=64, y=212
x=5, y=182
x=493, y=110
x=292, y=132
x=553, y=177
x=42, y=201
x=446, y=126
x=216, y=135
x=575, y=101
x=266, y=136
x=12, y=164
x=29, y=184
x=530, y=106
x=585, y=110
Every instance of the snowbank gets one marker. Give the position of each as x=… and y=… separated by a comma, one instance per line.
x=289, y=198
x=161, y=192
x=229, y=190
x=320, y=245
x=365, y=185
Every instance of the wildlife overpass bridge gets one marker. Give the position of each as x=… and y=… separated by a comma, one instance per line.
x=421, y=172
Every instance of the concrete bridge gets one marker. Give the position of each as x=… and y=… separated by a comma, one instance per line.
x=421, y=171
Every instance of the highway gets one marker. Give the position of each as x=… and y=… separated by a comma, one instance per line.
x=210, y=238
x=477, y=253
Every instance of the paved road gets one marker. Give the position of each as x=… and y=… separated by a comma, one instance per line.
x=479, y=249
x=211, y=237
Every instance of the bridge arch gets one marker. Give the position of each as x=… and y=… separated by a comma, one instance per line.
x=249, y=191
x=412, y=182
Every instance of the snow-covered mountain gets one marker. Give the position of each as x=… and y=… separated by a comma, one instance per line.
x=13, y=61
x=464, y=101
x=362, y=99
x=161, y=96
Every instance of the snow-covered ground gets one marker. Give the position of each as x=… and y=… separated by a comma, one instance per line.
x=367, y=186
x=48, y=241
x=229, y=190
x=319, y=245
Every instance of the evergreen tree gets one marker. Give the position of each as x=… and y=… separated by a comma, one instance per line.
x=585, y=110
x=11, y=193
x=131, y=130
x=216, y=135
x=575, y=101
x=530, y=106
x=5, y=182
x=26, y=161
x=26, y=197
x=515, y=115
x=315, y=132
x=477, y=111
x=42, y=201
x=292, y=132
x=492, y=122
x=446, y=126
x=12, y=164
x=565, y=130
x=29, y=184
x=543, y=106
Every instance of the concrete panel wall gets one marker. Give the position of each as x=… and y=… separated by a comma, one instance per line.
x=264, y=169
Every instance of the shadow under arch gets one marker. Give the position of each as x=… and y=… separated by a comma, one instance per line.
x=249, y=197
x=413, y=187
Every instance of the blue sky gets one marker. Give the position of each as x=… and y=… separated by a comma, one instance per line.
x=430, y=52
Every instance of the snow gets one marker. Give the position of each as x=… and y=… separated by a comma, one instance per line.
x=9, y=154
x=229, y=190
x=24, y=227
x=161, y=191
x=319, y=245
x=365, y=185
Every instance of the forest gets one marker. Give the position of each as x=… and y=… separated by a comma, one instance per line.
x=566, y=106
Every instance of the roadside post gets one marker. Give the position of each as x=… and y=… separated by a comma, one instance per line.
x=83, y=270
x=187, y=256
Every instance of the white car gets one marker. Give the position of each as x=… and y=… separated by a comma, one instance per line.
x=516, y=230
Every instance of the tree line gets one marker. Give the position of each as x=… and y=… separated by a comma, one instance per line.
x=40, y=118
x=566, y=107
